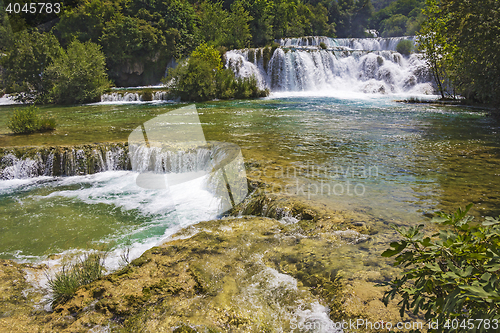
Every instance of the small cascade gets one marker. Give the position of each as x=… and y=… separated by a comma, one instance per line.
x=135, y=97
x=28, y=162
x=367, y=65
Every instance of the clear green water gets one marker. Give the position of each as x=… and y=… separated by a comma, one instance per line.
x=426, y=158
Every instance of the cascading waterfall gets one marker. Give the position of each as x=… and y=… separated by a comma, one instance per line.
x=29, y=162
x=367, y=65
x=134, y=97
x=19, y=163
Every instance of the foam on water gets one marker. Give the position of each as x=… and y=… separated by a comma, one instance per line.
x=369, y=66
x=276, y=299
x=7, y=100
x=164, y=211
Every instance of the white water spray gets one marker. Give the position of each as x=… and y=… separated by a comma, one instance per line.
x=366, y=65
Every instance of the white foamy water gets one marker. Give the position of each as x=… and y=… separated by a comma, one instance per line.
x=7, y=100
x=125, y=97
x=278, y=302
x=347, y=66
x=162, y=212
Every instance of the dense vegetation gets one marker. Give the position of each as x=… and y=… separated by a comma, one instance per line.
x=202, y=77
x=453, y=276
x=138, y=39
x=461, y=40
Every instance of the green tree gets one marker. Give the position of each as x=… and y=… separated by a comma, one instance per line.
x=473, y=31
x=284, y=16
x=238, y=35
x=394, y=26
x=79, y=74
x=224, y=28
x=130, y=42
x=25, y=66
x=5, y=30
x=452, y=276
x=432, y=40
x=401, y=17
x=194, y=80
x=319, y=21
x=213, y=22
x=261, y=25
x=86, y=22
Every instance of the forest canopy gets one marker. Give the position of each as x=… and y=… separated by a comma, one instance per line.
x=139, y=39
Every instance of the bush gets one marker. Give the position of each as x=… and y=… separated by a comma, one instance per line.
x=79, y=75
x=322, y=45
x=28, y=120
x=26, y=63
x=452, y=276
x=65, y=283
x=202, y=78
x=405, y=47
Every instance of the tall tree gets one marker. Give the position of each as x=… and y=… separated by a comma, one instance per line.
x=26, y=63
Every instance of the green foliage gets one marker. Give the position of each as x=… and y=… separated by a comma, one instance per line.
x=261, y=26
x=6, y=37
x=65, y=283
x=352, y=17
x=399, y=18
x=131, y=42
x=79, y=75
x=26, y=63
x=28, y=120
x=203, y=78
x=405, y=47
x=322, y=45
x=432, y=40
x=86, y=22
x=472, y=52
x=453, y=274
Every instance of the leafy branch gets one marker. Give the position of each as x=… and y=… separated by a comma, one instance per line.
x=452, y=275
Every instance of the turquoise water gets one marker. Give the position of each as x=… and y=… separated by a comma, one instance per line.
x=399, y=162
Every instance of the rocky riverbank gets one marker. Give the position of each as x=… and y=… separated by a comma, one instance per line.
x=242, y=273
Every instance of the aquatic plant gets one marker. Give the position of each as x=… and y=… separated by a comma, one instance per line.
x=453, y=276
x=66, y=282
x=28, y=120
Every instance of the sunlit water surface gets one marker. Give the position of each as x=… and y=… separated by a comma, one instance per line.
x=394, y=162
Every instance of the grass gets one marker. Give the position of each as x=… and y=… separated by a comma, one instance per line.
x=67, y=281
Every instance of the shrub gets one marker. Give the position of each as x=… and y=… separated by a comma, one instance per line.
x=322, y=45
x=405, y=47
x=28, y=120
x=453, y=276
x=203, y=78
x=65, y=283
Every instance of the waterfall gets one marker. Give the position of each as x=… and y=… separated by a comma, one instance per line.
x=365, y=44
x=367, y=65
x=28, y=162
x=155, y=96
